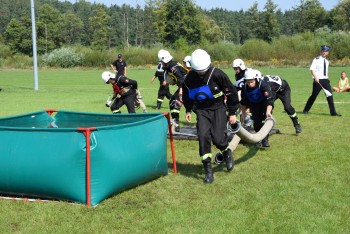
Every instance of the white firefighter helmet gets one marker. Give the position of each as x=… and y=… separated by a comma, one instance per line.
x=160, y=67
x=200, y=60
x=239, y=63
x=252, y=74
x=164, y=56
x=187, y=60
x=107, y=75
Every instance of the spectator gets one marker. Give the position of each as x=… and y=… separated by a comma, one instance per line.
x=343, y=83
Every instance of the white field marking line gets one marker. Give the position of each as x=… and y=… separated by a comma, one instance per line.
x=336, y=102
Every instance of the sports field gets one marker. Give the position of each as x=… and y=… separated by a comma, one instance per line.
x=301, y=184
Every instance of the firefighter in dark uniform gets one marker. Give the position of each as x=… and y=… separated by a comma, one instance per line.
x=176, y=74
x=119, y=65
x=282, y=91
x=319, y=71
x=239, y=69
x=257, y=94
x=204, y=92
x=163, y=90
x=125, y=90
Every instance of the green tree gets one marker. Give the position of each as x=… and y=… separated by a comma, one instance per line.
x=182, y=20
x=251, y=23
x=269, y=26
x=340, y=16
x=99, y=28
x=71, y=28
x=49, y=20
x=310, y=16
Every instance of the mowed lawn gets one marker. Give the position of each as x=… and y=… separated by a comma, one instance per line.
x=301, y=184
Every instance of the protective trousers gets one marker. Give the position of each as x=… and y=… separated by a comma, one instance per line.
x=175, y=105
x=258, y=111
x=285, y=97
x=211, y=126
x=128, y=100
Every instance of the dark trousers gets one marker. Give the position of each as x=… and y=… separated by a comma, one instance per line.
x=285, y=97
x=164, y=91
x=258, y=111
x=128, y=100
x=316, y=88
x=175, y=105
x=211, y=126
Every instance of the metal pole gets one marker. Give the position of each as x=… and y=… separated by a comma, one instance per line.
x=35, y=59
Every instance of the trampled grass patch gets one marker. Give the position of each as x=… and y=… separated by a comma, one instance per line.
x=301, y=184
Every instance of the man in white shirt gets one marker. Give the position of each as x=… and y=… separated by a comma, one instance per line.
x=319, y=71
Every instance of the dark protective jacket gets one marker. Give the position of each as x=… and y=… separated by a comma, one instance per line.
x=261, y=94
x=176, y=71
x=209, y=92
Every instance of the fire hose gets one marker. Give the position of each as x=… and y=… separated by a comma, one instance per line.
x=242, y=133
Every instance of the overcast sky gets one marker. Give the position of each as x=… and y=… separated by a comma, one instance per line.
x=233, y=5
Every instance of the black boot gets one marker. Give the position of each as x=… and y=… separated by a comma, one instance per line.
x=265, y=142
x=230, y=163
x=177, y=125
x=209, y=176
x=296, y=124
x=159, y=105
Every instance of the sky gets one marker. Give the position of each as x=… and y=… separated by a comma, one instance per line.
x=233, y=5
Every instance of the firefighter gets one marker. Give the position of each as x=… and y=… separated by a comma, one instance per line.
x=257, y=94
x=163, y=90
x=174, y=74
x=204, y=92
x=125, y=92
x=282, y=91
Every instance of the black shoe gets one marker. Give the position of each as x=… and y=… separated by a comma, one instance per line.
x=265, y=142
x=298, y=128
x=230, y=163
x=305, y=112
x=209, y=176
x=336, y=114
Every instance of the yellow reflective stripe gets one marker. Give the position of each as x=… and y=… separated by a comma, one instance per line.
x=205, y=156
x=295, y=114
x=116, y=111
x=174, y=111
x=218, y=94
x=225, y=149
x=160, y=100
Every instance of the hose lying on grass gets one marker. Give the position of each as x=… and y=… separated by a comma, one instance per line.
x=242, y=133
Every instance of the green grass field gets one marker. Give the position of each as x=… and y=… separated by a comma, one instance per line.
x=301, y=184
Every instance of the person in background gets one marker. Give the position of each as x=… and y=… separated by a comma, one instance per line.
x=187, y=63
x=175, y=74
x=204, y=92
x=343, y=83
x=282, y=91
x=319, y=71
x=163, y=90
x=119, y=65
x=257, y=94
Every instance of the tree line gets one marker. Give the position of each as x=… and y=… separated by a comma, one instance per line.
x=175, y=24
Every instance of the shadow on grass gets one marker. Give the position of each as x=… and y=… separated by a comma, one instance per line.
x=253, y=149
x=196, y=170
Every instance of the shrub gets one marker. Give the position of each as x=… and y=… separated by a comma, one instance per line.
x=63, y=57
